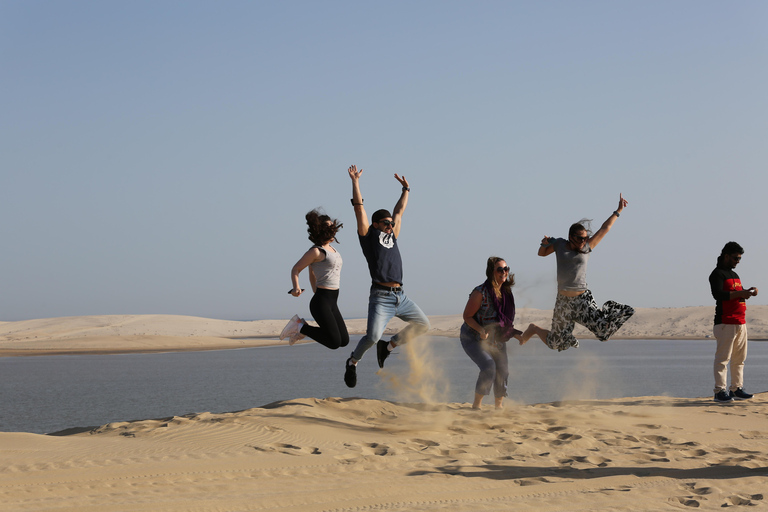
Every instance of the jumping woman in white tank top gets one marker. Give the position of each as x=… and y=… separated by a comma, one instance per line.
x=324, y=264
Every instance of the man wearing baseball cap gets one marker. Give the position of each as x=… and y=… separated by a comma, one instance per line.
x=387, y=299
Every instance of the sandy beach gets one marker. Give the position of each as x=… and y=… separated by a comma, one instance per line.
x=350, y=453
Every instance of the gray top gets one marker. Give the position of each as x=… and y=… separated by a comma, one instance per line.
x=327, y=272
x=571, y=266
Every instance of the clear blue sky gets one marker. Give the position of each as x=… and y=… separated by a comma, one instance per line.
x=159, y=157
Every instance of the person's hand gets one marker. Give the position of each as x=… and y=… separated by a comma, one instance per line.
x=402, y=180
x=296, y=292
x=354, y=173
x=484, y=335
x=545, y=241
x=753, y=291
x=622, y=203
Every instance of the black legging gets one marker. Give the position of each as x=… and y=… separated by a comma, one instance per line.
x=332, y=331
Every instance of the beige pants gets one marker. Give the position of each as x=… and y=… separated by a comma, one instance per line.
x=731, y=346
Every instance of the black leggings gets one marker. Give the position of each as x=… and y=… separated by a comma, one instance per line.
x=332, y=331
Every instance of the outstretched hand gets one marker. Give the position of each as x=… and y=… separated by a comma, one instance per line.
x=354, y=173
x=402, y=180
x=622, y=203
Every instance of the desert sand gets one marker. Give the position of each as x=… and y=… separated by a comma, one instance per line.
x=648, y=453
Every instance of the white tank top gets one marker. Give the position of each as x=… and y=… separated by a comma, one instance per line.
x=327, y=272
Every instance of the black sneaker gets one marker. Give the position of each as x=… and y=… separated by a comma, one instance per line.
x=382, y=352
x=350, y=374
x=740, y=394
x=722, y=396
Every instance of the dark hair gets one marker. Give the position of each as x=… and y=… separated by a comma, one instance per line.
x=320, y=232
x=490, y=270
x=582, y=225
x=730, y=248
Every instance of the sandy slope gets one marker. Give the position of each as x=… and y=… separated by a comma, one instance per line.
x=356, y=454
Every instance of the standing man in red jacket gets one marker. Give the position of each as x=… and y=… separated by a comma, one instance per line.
x=730, y=324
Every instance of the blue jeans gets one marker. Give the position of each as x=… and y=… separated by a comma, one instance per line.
x=491, y=358
x=383, y=306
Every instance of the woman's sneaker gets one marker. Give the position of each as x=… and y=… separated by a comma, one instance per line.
x=722, y=396
x=292, y=328
x=740, y=394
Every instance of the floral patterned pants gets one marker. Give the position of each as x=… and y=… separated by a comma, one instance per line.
x=602, y=322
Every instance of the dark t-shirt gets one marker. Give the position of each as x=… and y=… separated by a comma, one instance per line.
x=383, y=256
x=722, y=282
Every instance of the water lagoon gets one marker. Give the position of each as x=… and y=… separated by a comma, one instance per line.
x=51, y=393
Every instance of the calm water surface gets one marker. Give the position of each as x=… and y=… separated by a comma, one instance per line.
x=48, y=394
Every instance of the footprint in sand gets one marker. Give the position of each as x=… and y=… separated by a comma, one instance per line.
x=532, y=481
x=695, y=454
x=659, y=440
x=688, y=501
x=378, y=449
x=701, y=491
x=742, y=501
x=425, y=443
x=565, y=439
x=287, y=449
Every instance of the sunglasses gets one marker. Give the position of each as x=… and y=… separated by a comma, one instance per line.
x=387, y=222
x=501, y=270
x=580, y=238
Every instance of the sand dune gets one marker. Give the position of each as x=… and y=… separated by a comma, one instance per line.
x=149, y=333
x=357, y=454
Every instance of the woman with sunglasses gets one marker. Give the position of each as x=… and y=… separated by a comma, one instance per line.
x=324, y=264
x=574, y=300
x=488, y=324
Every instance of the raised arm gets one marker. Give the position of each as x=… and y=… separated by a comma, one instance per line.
x=397, y=215
x=357, y=202
x=608, y=224
x=546, y=248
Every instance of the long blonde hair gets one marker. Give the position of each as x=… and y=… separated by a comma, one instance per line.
x=490, y=270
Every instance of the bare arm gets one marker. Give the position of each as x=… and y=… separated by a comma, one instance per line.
x=608, y=224
x=397, y=215
x=744, y=294
x=357, y=201
x=546, y=248
x=311, y=256
x=473, y=305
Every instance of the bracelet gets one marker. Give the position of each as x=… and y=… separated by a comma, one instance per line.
x=406, y=189
x=356, y=204
x=616, y=213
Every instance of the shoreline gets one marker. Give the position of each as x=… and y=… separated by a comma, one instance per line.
x=129, y=334
x=269, y=343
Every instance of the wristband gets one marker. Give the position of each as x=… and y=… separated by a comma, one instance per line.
x=616, y=213
x=406, y=189
x=356, y=204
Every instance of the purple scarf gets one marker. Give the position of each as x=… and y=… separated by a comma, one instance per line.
x=505, y=309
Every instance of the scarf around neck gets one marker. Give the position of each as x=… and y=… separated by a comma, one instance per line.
x=505, y=309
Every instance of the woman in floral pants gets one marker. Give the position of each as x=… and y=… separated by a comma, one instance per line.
x=574, y=300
